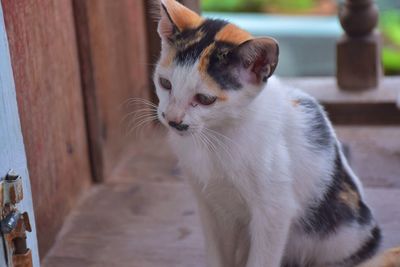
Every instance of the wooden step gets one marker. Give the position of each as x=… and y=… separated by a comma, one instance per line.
x=371, y=107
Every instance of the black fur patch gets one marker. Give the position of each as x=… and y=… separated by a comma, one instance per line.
x=332, y=212
x=187, y=55
x=222, y=66
x=191, y=43
x=319, y=135
x=290, y=265
x=367, y=250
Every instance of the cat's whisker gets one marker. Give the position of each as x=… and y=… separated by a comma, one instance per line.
x=206, y=142
x=200, y=136
x=138, y=112
x=134, y=117
x=142, y=123
x=195, y=141
x=138, y=120
x=138, y=130
x=126, y=101
x=138, y=104
x=221, y=144
x=138, y=101
x=223, y=136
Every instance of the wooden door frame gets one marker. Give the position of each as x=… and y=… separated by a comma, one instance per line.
x=12, y=152
x=92, y=116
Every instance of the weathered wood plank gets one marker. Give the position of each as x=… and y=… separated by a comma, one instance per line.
x=156, y=220
x=12, y=150
x=46, y=70
x=112, y=43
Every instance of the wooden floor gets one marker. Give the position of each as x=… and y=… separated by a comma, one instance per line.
x=145, y=216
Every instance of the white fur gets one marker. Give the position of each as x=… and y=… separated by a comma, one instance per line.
x=251, y=169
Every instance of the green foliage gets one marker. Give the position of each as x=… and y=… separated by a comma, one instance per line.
x=389, y=22
x=391, y=61
x=291, y=5
x=256, y=5
x=390, y=28
x=232, y=5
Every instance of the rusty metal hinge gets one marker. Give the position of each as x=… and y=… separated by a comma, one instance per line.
x=13, y=223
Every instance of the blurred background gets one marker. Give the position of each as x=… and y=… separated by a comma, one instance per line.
x=307, y=30
x=101, y=187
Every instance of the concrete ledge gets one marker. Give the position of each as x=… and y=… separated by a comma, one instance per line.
x=372, y=107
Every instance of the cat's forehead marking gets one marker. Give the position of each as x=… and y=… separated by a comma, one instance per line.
x=203, y=70
x=190, y=43
x=205, y=58
x=209, y=44
x=186, y=42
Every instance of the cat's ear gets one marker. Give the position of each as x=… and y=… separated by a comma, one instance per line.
x=175, y=17
x=258, y=58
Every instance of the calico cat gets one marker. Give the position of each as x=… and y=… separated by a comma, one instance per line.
x=272, y=183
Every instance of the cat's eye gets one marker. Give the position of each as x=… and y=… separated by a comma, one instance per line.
x=165, y=83
x=205, y=100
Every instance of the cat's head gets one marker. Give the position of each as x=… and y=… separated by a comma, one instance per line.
x=209, y=70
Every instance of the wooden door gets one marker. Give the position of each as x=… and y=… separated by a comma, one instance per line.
x=12, y=151
x=44, y=57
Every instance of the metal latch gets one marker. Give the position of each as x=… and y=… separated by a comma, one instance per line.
x=13, y=223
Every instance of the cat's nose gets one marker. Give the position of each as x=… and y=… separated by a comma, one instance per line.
x=180, y=126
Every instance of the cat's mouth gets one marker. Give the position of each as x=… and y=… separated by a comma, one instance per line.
x=182, y=133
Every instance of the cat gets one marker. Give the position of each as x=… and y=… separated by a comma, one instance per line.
x=271, y=181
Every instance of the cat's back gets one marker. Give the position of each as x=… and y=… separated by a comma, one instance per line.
x=329, y=193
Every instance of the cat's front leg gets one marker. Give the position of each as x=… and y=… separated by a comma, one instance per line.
x=269, y=228
x=214, y=252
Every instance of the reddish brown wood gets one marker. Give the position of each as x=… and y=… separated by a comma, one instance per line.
x=113, y=54
x=46, y=71
x=154, y=43
x=89, y=90
x=358, y=51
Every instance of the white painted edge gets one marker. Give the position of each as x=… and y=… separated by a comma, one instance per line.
x=12, y=150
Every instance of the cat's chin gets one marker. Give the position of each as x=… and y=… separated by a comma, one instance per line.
x=179, y=133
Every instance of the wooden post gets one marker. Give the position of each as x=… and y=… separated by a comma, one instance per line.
x=358, y=51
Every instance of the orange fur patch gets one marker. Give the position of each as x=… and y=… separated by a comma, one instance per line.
x=233, y=34
x=169, y=58
x=203, y=65
x=185, y=43
x=182, y=17
x=222, y=96
x=205, y=58
x=350, y=197
x=295, y=102
x=389, y=258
